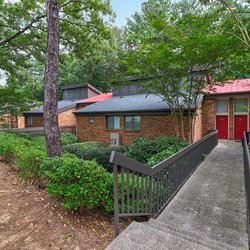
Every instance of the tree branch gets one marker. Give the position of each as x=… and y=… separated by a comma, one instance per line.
x=28, y=26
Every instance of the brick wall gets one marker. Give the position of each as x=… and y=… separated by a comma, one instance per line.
x=21, y=122
x=37, y=121
x=152, y=126
x=65, y=118
x=208, y=115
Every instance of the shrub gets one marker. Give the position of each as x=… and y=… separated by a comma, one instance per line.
x=29, y=163
x=155, y=159
x=94, y=151
x=78, y=148
x=75, y=181
x=67, y=138
x=10, y=145
x=142, y=149
x=78, y=182
x=151, y=152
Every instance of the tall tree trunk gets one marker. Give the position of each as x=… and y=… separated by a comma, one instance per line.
x=52, y=134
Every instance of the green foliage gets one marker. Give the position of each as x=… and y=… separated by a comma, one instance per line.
x=178, y=44
x=94, y=151
x=11, y=145
x=79, y=182
x=155, y=159
x=13, y=101
x=85, y=34
x=142, y=149
x=151, y=152
x=75, y=181
x=67, y=138
x=77, y=148
x=29, y=164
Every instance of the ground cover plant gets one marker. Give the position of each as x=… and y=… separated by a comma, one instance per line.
x=82, y=176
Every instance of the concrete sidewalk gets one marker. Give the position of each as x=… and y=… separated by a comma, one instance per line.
x=209, y=212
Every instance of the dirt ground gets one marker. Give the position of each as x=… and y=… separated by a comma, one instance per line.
x=30, y=219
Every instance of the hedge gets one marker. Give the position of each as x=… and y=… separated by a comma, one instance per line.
x=74, y=181
x=80, y=177
x=94, y=151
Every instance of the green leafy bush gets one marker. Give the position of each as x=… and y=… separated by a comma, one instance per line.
x=78, y=182
x=143, y=149
x=67, y=138
x=155, y=159
x=94, y=151
x=10, y=145
x=75, y=181
x=78, y=148
x=30, y=165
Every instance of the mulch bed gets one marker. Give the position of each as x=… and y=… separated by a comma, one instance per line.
x=31, y=219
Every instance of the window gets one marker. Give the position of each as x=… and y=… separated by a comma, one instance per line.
x=113, y=122
x=30, y=121
x=132, y=122
x=221, y=106
x=240, y=105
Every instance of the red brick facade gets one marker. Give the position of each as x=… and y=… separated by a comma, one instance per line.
x=152, y=126
x=37, y=121
x=209, y=114
x=65, y=118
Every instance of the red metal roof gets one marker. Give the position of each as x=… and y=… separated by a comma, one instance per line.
x=229, y=86
x=97, y=98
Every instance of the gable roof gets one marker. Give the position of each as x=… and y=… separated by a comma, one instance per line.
x=131, y=104
x=97, y=98
x=230, y=87
x=62, y=106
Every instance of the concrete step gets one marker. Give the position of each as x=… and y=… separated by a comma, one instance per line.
x=187, y=235
x=138, y=236
x=201, y=227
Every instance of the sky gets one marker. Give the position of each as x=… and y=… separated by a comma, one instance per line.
x=124, y=9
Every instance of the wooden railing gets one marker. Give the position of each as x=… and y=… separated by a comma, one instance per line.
x=143, y=191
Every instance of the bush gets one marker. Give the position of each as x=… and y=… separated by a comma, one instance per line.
x=151, y=152
x=30, y=165
x=67, y=138
x=155, y=159
x=79, y=182
x=94, y=151
x=75, y=181
x=10, y=145
x=78, y=148
x=141, y=149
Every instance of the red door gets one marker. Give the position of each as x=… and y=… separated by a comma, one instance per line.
x=240, y=125
x=222, y=126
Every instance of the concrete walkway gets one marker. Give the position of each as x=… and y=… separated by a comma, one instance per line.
x=209, y=212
